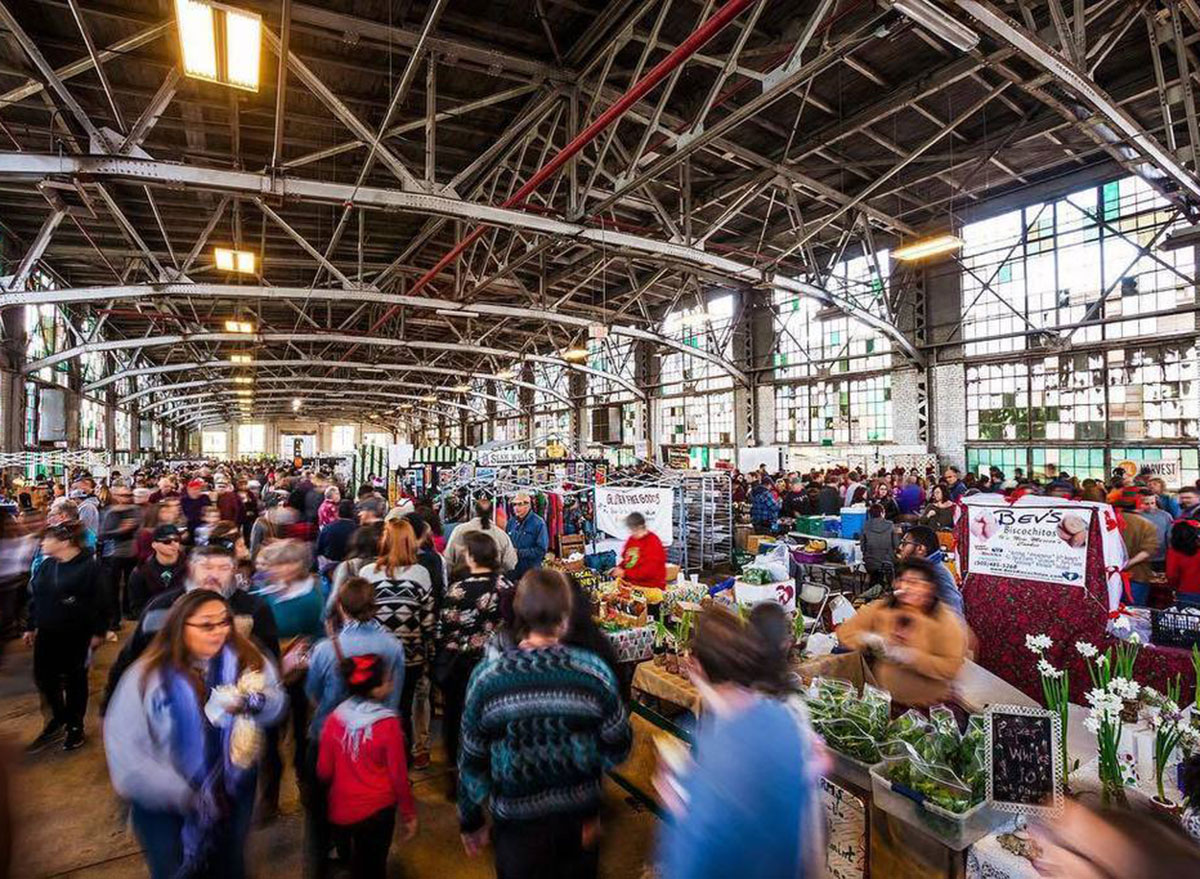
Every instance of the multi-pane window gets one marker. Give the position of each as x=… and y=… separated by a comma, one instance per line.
x=1085, y=463
x=1048, y=265
x=214, y=442
x=377, y=438
x=122, y=430
x=613, y=355
x=706, y=327
x=845, y=411
x=509, y=430
x=252, y=439
x=1007, y=459
x=91, y=424
x=811, y=336
x=551, y=425
x=700, y=420
x=342, y=438
x=31, y=413
x=1153, y=393
x=47, y=332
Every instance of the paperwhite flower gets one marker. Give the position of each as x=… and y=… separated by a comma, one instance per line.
x=1092, y=724
x=1121, y=622
x=1038, y=643
x=1101, y=658
x=1134, y=638
x=1046, y=670
x=1125, y=688
x=1086, y=650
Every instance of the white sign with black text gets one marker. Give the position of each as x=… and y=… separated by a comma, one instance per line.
x=656, y=504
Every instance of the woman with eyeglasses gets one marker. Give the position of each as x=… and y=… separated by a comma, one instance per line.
x=183, y=735
x=66, y=623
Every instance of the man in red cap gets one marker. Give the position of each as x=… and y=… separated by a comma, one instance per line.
x=193, y=502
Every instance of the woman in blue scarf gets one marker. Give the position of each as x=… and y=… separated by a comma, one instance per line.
x=183, y=735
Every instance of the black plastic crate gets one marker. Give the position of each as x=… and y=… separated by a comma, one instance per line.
x=1174, y=628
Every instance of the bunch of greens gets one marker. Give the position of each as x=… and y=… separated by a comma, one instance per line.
x=851, y=724
x=756, y=576
x=932, y=758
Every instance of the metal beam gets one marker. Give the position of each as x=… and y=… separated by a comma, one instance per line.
x=1067, y=74
x=38, y=166
x=77, y=13
x=37, y=248
x=64, y=296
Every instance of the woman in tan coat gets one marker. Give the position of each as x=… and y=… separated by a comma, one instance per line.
x=914, y=644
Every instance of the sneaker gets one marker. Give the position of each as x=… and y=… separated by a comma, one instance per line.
x=420, y=761
x=74, y=739
x=51, y=733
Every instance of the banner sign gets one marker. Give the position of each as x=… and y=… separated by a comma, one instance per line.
x=1167, y=470
x=508, y=457
x=1048, y=544
x=656, y=504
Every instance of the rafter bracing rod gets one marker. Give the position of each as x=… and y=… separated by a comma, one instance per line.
x=285, y=41
x=153, y=112
x=96, y=65
x=37, y=248
x=1185, y=81
x=303, y=242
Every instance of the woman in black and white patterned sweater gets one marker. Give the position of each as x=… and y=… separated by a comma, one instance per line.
x=404, y=600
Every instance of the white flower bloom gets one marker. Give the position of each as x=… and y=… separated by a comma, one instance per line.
x=1125, y=688
x=1121, y=623
x=1038, y=643
x=1092, y=724
x=1086, y=650
x=1134, y=638
x=1046, y=670
x=1101, y=658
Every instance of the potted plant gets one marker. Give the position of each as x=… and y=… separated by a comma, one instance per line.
x=1121, y=662
x=661, y=635
x=1056, y=689
x=1108, y=697
x=1166, y=720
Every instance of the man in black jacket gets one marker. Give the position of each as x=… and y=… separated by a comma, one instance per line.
x=210, y=567
x=158, y=574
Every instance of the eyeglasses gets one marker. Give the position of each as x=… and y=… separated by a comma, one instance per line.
x=520, y=503
x=167, y=540
x=207, y=628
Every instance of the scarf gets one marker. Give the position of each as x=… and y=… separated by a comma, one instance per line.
x=201, y=752
x=359, y=715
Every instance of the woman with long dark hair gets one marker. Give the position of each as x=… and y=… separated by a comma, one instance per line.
x=473, y=608
x=1183, y=562
x=939, y=511
x=183, y=735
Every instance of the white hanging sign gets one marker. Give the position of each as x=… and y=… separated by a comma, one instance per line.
x=508, y=457
x=656, y=504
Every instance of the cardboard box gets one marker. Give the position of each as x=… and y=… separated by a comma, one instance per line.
x=741, y=534
x=672, y=573
x=754, y=541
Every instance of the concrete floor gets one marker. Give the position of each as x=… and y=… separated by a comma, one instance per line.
x=68, y=822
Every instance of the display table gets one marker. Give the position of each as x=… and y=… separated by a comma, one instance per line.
x=632, y=645
x=976, y=688
x=988, y=859
x=654, y=680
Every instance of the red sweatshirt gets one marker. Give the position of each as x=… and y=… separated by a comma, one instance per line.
x=644, y=562
x=1183, y=571
x=377, y=780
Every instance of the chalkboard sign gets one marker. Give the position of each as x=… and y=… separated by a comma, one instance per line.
x=1023, y=762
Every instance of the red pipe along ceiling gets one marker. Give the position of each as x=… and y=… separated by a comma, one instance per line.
x=690, y=46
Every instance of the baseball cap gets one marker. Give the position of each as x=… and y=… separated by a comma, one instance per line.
x=164, y=533
x=1126, y=498
x=197, y=483
x=374, y=505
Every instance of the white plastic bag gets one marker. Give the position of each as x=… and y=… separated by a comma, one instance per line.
x=820, y=644
x=776, y=562
x=840, y=609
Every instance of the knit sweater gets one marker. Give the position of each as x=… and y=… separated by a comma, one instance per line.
x=404, y=605
x=539, y=730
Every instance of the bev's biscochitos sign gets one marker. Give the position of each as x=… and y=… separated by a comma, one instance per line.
x=1048, y=544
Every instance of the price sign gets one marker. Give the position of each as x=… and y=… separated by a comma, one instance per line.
x=846, y=832
x=1023, y=771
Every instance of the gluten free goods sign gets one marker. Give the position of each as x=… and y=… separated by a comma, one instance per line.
x=1048, y=544
x=656, y=504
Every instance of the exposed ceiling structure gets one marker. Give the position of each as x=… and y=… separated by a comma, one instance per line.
x=439, y=192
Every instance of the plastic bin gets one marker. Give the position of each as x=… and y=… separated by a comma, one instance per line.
x=831, y=527
x=814, y=526
x=1174, y=628
x=854, y=519
x=849, y=770
x=952, y=830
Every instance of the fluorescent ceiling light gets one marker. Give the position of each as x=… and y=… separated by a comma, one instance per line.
x=928, y=247
x=939, y=23
x=698, y=319
x=239, y=326
x=219, y=43
x=506, y=375
x=430, y=398
x=456, y=312
x=575, y=354
x=229, y=260
x=240, y=358
x=461, y=389
x=242, y=380
x=296, y=404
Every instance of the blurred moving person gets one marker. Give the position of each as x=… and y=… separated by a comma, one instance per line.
x=183, y=735
x=66, y=623
x=742, y=804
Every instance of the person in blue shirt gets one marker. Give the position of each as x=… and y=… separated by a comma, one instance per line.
x=527, y=531
x=921, y=542
x=743, y=803
x=764, y=507
x=353, y=631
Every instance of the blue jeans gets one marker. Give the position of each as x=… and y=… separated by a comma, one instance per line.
x=160, y=834
x=1140, y=592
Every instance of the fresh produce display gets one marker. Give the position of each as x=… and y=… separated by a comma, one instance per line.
x=756, y=576
x=924, y=754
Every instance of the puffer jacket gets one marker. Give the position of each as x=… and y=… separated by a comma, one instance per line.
x=879, y=542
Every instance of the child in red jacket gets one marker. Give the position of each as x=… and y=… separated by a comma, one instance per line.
x=362, y=759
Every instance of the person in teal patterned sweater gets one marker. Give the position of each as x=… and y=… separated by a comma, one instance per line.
x=543, y=722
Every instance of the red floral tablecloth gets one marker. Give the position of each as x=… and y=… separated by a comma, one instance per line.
x=1002, y=611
